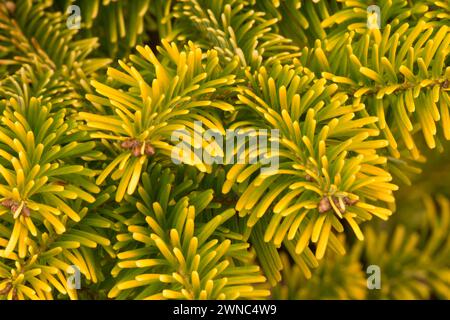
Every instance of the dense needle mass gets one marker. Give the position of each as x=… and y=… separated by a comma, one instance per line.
x=95, y=108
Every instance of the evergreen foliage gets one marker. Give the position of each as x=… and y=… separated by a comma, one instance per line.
x=90, y=176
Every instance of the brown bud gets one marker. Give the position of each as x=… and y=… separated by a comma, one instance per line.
x=149, y=150
x=7, y=203
x=309, y=178
x=26, y=211
x=446, y=84
x=324, y=205
x=14, y=207
x=136, y=151
x=128, y=144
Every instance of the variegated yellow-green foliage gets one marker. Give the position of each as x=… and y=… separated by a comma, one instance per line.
x=413, y=260
x=91, y=185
